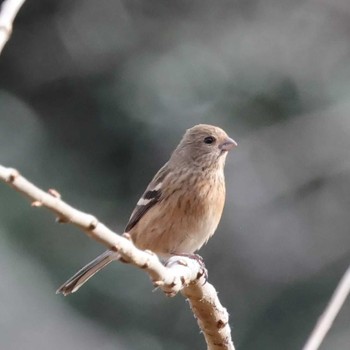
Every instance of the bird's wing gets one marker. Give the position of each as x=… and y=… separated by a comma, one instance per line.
x=150, y=197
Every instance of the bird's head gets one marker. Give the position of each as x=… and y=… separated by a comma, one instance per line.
x=204, y=145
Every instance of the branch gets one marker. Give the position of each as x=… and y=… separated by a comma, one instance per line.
x=8, y=12
x=327, y=318
x=180, y=273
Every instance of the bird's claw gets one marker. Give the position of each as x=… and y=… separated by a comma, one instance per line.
x=203, y=270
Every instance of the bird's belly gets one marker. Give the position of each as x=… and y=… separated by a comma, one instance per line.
x=180, y=226
x=184, y=233
x=203, y=229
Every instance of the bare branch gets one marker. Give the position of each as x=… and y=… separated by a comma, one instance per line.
x=8, y=12
x=180, y=274
x=327, y=318
x=210, y=315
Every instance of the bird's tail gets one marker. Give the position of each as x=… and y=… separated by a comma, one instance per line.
x=84, y=274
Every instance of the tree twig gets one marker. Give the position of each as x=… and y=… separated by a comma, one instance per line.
x=8, y=12
x=180, y=273
x=327, y=318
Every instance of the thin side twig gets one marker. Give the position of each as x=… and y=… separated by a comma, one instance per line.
x=8, y=12
x=327, y=318
x=180, y=273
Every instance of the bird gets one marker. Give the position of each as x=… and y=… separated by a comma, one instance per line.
x=182, y=205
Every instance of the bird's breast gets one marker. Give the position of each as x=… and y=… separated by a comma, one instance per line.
x=185, y=217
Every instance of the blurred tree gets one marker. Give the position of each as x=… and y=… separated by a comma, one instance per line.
x=94, y=96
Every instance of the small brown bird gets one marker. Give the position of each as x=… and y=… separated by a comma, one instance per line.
x=181, y=207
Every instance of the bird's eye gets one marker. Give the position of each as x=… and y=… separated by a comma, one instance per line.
x=209, y=140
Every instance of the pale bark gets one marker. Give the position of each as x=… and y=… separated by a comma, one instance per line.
x=8, y=12
x=180, y=273
x=327, y=318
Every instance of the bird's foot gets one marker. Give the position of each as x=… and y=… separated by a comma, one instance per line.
x=203, y=270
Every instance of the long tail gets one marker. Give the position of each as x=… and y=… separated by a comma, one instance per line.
x=84, y=274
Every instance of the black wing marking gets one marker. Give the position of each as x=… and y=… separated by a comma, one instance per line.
x=140, y=210
x=149, y=198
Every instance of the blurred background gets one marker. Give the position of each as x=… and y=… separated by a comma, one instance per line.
x=94, y=95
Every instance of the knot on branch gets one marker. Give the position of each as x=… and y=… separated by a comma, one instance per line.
x=93, y=223
x=11, y=175
x=54, y=193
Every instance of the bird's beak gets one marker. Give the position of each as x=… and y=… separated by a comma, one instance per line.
x=228, y=144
